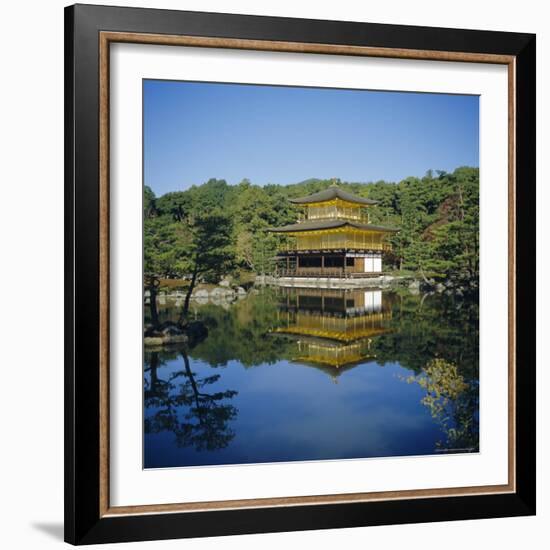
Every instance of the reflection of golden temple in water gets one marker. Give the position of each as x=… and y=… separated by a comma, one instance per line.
x=334, y=328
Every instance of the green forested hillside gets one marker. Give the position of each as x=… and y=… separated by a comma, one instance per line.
x=215, y=229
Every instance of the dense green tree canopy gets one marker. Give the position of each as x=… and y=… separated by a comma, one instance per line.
x=438, y=217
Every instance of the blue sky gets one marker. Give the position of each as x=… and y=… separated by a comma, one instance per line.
x=272, y=134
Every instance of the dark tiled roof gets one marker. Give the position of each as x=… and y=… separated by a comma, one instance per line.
x=315, y=225
x=332, y=192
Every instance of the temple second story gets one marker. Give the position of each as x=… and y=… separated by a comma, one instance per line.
x=333, y=237
x=334, y=204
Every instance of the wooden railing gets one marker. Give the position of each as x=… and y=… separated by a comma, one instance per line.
x=338, y=272
x=302, y=247
x=312, y=272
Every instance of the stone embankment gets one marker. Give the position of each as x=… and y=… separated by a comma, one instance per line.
x=203, y=294
x=383, y=281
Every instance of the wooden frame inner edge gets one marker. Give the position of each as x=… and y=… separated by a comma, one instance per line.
x=104, y=270
x=105, y=39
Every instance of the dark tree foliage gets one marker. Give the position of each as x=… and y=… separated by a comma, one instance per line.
x=183, y=405
x=206, y=251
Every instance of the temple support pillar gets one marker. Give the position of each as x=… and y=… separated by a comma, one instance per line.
x=344, y=267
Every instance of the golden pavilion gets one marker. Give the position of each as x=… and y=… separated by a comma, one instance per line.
x=333, y=237
x=333, y=328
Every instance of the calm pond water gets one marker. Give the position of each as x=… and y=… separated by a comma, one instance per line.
x=310, y=374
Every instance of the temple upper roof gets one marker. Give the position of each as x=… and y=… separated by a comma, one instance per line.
x=331, y=193
x=315, y=225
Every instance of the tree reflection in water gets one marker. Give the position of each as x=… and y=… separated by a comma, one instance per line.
x=452, y=402
x=431, y=341
x=183, y=407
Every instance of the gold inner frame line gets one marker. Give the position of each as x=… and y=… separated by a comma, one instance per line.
x=105, y=39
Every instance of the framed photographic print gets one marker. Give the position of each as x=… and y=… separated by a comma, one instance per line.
x=299, y=274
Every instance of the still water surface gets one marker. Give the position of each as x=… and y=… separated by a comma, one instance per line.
x=310, y=374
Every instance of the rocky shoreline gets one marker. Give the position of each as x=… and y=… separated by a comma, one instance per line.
x=202, y=295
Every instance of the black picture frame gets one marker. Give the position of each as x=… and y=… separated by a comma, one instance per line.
x=83, y=522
